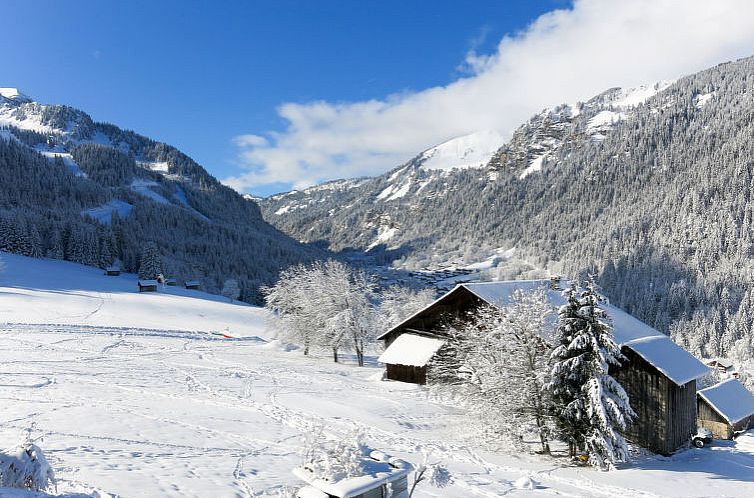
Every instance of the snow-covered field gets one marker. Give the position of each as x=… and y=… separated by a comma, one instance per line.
x=142, y=401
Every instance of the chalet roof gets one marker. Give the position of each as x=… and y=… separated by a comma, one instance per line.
x=730, y=399
x=661, y=352
x=192, y=282
x=112, y=268
x=669, y=358
x=411, y=350
x=378, y=469
x=147, y=282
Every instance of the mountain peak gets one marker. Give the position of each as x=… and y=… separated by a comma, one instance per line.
x=14, y=94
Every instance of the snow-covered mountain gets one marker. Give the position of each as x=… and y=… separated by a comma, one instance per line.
x=310, y=214
x=650, y=188
x=91, y=192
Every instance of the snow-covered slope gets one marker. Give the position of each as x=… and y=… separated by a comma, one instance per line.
x=59, y=292
x=469, y=151
x=159, y=193
x=133, y=396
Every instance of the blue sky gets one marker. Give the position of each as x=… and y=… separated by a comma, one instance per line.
x=197, y=74
x=270, y=95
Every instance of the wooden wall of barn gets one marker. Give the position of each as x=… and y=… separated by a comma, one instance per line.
x=434, y=318
x=405, y=373
x=710, y=419
x=665, y=413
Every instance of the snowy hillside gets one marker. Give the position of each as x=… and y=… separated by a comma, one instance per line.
x=132, y=398
x=58, y=292
x=90, y=192
x=432, y=175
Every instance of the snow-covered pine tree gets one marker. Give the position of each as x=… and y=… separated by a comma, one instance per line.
x=231, y=289
x=591, y=406
x=150, y=264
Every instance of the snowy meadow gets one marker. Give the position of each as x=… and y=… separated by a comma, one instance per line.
x=166, y=408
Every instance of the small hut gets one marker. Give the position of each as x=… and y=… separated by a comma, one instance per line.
x=407, y=357
x=193, y=284
x=171, y=282
x=379, y=471
x=725, y=408
x=112, y=271
x=723, y=366
x=147, y=285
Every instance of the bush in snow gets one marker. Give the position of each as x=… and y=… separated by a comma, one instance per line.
x=592, y=407
x=434, y=473
x=24, y=466
x=334, y=460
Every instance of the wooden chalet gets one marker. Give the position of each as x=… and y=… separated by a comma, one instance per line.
x=726, y=408
x=193, y=284
x=112, y=271
x=147, y=285
x=659, y=376
x=171, y=282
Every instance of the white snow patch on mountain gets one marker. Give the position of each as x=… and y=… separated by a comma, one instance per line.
x=534, y=166
x=631, y=97
x=603, y=121
x=103, y=213
x=66, y=157
x=142, y=187
x=14, y=94
x=384, y=234
x=702, y=99
x=469, y=151
x=161, y=167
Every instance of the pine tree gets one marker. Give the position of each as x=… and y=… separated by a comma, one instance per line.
x=591, y=406
x=150, y=264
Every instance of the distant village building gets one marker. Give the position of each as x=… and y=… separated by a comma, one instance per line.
x=379, y=471
x=193, y=284
x=147, y=285
x=112, y=271
x=659, y=376
x=723, y=366
x=726, y=408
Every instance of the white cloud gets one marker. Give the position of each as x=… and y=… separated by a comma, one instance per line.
x=564, y=56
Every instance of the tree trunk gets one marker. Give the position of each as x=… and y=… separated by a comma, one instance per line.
x=335, y=354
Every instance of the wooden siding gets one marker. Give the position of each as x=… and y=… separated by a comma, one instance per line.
x=721, y=428
x=665, y=413
x=404, y=373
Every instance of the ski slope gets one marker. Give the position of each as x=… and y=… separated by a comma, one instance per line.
x=162, y=408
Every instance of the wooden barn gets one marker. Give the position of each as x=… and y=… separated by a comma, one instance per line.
x=147, y=285
x=112, y=271
x=659, y=376
x=726, y=408
x=193, y=284
x=171, y=282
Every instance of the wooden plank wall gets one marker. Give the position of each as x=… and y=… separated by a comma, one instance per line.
x=681, y=417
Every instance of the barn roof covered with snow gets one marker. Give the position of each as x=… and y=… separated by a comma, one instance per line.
x=653, y=346
x=730, y=399
x=411, y=350
x=148, y=283
x=377, y=469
